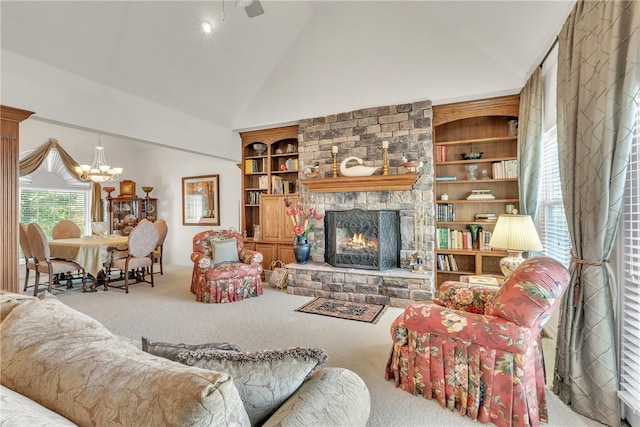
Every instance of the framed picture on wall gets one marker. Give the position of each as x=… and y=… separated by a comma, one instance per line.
x=201, y=200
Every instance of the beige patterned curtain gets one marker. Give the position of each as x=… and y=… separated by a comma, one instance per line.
x=33, y=161
x=96, y=203
x=598, y=80
x=530, y=144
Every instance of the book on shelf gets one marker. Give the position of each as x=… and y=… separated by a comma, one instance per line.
x=446, y=262
x=505, y=169
x=484, y=238
x=281, y=186
x=253, y=197
x=442, y=240
x=263, y=182
x=291, y=165
x=483, y=280
x=441, y=153
x=452, y=262
x=485, y=217
x=253, y=166
x=446, y=212
x=451, y=238
x=480, y=195
x=446, y=178
x=288, y=187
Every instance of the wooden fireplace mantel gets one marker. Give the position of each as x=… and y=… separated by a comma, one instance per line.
x=361, y=183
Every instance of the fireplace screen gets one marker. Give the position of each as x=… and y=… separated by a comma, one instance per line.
x=362, y=239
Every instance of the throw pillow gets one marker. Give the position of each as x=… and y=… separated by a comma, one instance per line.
x=170, y=351
x=265, y=379
x=224, y=250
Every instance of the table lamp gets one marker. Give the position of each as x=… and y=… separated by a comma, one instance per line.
x=514, y=234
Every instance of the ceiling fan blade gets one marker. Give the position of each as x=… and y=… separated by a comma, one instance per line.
x=254, y=9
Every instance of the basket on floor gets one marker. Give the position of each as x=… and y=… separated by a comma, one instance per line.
x=276, y=275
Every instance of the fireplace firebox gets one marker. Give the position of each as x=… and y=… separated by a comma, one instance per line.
x=366, y=239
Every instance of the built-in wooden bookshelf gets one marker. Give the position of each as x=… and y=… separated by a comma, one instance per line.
x=272, y=171
x=485, y=126
x=268, y=177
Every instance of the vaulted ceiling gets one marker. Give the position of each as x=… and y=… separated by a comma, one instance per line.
x=299, y=59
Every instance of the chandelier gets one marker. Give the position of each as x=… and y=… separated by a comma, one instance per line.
x=99, y=171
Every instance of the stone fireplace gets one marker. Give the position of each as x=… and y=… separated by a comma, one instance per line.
x=407, y=128
x=362, y=239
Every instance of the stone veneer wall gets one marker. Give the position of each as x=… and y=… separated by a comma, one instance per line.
x=407, y=128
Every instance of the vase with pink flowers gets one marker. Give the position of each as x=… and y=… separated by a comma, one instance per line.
x=302, y=220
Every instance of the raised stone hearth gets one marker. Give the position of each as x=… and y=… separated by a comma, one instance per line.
x=360, y=133
x=395, y=287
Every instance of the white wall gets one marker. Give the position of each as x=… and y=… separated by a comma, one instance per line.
x=146, y=164
x=166, y=176
x=58, y=96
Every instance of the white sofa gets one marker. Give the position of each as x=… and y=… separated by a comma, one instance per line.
x=61, y=367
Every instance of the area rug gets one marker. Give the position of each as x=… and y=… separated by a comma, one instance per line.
x=359, y=311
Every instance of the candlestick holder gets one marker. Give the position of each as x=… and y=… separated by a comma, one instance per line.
x=147, y=190
x=335, y=164
x=109, y=190
x=385, y=163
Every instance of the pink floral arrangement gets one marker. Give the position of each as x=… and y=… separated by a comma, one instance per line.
x=302, y=220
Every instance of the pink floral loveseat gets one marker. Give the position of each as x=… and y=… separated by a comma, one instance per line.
x=223, y=270
x=477, y=349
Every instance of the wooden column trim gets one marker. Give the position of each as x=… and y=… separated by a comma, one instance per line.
x=9, y=196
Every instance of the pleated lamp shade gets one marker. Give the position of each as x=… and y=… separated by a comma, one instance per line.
x=514, y=234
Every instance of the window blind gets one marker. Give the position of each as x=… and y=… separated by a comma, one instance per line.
x=629, y=281
x=551, y=220
x=49, y=206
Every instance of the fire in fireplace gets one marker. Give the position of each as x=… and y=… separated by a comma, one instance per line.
x=362, y=239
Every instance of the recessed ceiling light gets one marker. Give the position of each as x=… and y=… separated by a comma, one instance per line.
x=206, y=27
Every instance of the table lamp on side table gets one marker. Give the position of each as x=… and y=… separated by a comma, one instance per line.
x=514, y=234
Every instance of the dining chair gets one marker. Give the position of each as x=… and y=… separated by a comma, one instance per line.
x=29, y=262
x=156, y=255
x=66, y=229
x=142, y=240
x=41, y=253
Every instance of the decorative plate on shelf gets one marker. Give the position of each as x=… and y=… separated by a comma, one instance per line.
x=125, y=207
x=130, y=217
x=151, y=209
x=128, y=229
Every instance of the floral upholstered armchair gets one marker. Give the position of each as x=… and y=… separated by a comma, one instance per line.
x=477, y=349
x=223, y=270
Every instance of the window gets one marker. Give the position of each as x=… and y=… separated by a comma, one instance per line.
x=51, y=194
x=49, y=206
x=629, y=278
x=551, y=219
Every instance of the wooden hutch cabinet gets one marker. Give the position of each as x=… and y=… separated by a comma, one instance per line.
x=270, y=173
x=487, y=126
x=127, y=210
x=276, y=229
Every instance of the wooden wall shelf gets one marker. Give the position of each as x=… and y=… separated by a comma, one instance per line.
x=361, y=183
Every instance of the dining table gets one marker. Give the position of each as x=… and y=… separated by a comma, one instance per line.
x=89, y=252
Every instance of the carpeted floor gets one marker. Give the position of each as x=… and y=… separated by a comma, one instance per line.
x=170, y=313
